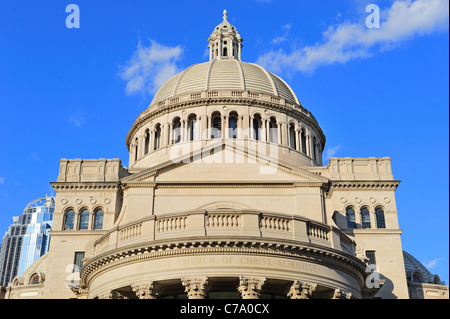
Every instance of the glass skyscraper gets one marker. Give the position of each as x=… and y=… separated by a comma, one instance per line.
x=27, y=239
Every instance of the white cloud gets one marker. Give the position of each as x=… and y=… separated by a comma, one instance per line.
x=432, y=263
x=284, y=37
x=150, y=67
x=2, y=180
x=77, y=118
x=346, y=41
x=330, y=152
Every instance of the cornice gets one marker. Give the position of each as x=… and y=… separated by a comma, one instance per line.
x=85, y=186
x=362, y=185
x=191, y=247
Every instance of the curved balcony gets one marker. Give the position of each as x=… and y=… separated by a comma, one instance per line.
x=225, y=223
x=227, y=244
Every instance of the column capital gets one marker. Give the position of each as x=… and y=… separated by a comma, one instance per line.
x=250, y=287
x=196, y=288
x=301, y=290
x=341, y=294
x=146, y=290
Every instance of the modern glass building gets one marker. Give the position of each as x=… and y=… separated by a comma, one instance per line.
x=27, y=239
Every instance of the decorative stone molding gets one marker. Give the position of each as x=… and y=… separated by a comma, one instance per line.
x=156, y=250
x=147, y=290
x=341, y=294
x=196, y=288
x=301, y=290
x=250, y=288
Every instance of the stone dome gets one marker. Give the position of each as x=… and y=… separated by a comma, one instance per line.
x=225, y=75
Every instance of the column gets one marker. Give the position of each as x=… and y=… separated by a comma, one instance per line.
x=224, y=125
x=301, y=290
x=250, y=288
x=284, y=139
x=341, y=294
x=196, y=288
x=146, y=290
x=297, y=142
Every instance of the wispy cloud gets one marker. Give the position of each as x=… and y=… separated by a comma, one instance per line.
x=404, y=20
x=2, y=180
x=150, y=67
x=430, y=264
x=330, y=152
x=77, y=118
x=34, y=156
x=284, y=37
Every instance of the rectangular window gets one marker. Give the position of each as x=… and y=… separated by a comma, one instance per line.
x=78, y=261
x=370, y=254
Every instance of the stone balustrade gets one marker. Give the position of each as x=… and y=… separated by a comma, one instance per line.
x=235, y=223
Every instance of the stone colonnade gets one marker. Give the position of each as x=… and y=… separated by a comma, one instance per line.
x=249, y=288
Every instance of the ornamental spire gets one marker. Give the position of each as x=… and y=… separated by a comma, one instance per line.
x=225, y=43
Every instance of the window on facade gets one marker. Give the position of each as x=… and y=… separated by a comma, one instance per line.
x=232, y=126
x=370, y=254
x=351, y=219
x=379, y=214
x=257, y=127
x=273, y=130
x=365, y=218
x=84, y=219
x=216, y=126
x=35, y=279
x=78, y=261
x=292, y=138
x=303, y=139
x=176, y=131
x=69, y=220
x=417, y=278
x=98, y=219
x=157, y=137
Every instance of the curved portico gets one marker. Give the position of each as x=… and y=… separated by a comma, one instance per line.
x=227, y=246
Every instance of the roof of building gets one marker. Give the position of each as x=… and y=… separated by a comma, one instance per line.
x=223, y=74
x=412, y=265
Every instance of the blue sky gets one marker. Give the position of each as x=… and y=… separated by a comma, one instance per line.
x=74, y=93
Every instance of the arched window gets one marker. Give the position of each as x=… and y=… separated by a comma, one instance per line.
x=257, y=127
x=176, y=131
x=365, y=218
x=216, y=125
x=232, y=126
x=351, y=219
x=273, y=130
x=303, y=139
x=84, y=220
x=98, y=219
x=69, y=221
x=193, y=128
x=157, y=137
x=292, y=138
x=35, y=279
x=379, y=214
x=416, y=277
x=225, y=51
x=147, y=142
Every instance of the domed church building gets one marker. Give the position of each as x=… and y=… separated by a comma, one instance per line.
x=225, y=196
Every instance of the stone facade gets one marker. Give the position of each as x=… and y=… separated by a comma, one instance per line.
x=226, y=193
